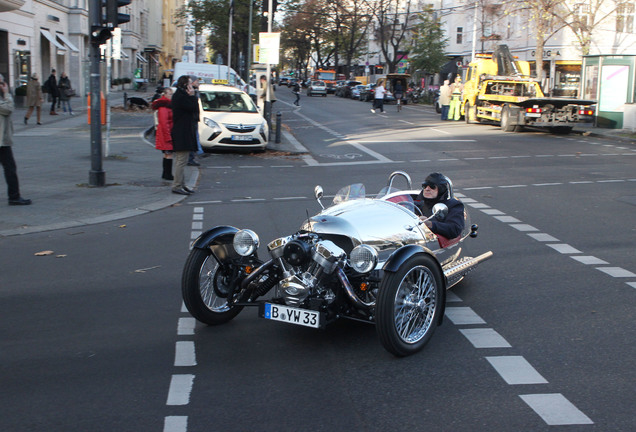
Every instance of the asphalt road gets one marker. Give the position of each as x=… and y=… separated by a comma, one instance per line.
x=540, y=337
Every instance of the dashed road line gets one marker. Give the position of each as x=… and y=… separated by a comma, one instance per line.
x=555, y=409
x=516, y=370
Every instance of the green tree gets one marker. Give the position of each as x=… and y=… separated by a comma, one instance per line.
x=429, y=43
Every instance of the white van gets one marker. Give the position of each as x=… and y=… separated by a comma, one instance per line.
x=212, y=74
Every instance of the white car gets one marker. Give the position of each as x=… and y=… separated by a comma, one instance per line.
x=230, y=119
x=317, y=87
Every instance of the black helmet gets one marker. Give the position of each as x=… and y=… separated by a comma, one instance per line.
x=442, y=183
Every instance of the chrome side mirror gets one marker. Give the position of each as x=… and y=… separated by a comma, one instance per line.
x=318, y=193
x=440, y=210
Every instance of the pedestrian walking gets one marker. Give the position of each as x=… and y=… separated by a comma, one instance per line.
x=34, y=98
x=445, y=99
x=378, y=101
x=296, y=91
x=66, y=92
x=53, y=90
x=185, y=117
x=6, y=142
x=456, y=99
x=162, y=108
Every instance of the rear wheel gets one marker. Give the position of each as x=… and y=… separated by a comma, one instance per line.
x=205, y=286
x=506, y=125
x=408, y=306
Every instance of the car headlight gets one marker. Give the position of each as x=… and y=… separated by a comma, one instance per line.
x=212, y=124
x=363, y=258
x=245, y=242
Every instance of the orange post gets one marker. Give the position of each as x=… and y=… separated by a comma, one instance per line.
x=102, y=108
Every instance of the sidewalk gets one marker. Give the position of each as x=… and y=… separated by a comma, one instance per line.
x=54, y=161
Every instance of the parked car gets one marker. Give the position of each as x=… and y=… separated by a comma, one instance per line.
x=355, y=92
x=337, y=87
x=346, y=89
x=283, y=81
x=317, y=88
x=230, y=119
x=367, y=93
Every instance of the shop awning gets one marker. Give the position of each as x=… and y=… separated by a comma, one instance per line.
x=141, y=59
x=51, y=39
x=67, y=42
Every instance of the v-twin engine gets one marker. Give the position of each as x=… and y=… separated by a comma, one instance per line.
x=307, y=262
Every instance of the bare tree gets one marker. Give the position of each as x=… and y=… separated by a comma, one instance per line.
x=392, y=27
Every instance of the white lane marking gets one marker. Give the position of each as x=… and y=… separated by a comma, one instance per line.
x=478, y=205
x=524, y=227
x=588, y=259
x=555, y=409
x=543, y=237
x=564, y=248
x=513, y=186
x=247, y=199
x=180, y=389
x=463, y=315
x=195, y=234
x=175, y=424
x=485, y=338
x=492, y=212
x=186, y=326
x=616, y=272
x=516, y=370
x=290, y=198
x=546, y=184
x=507, y=219
x=197, y=217
x=197, y=225
x=631, y=284
x=184, y=354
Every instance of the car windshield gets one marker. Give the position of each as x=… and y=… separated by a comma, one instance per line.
x=351, y=192
x=227, y=101
x=318, y=83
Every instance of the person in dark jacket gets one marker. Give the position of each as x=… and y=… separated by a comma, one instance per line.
x=54, y=91
x=185, y=118
x=436, y=189
x=65, y=88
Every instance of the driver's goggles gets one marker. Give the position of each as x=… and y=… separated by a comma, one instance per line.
x=432, y=186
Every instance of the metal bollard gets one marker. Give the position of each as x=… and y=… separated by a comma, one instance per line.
x=278, y=125
x=125, y=100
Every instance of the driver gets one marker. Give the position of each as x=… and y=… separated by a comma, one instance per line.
x=435, y=189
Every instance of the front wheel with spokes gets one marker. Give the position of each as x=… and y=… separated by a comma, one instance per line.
x=409, y=305
x=206, y=285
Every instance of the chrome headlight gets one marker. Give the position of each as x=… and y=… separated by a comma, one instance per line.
x=212, y=124
x=363, y=258
x=245, y=242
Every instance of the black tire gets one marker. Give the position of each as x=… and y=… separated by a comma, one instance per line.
x=409, y=300
x=438, y=108
x=202, y=287
x=505, y=120
x=470, y=113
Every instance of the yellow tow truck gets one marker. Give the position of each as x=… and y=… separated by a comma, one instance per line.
x=498, y=89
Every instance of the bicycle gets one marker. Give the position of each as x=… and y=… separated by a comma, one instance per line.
x=398, y=98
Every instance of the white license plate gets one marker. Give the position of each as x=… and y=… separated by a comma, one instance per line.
x=291, y=315
x=242, y=138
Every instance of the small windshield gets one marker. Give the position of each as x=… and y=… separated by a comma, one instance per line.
x=351, y=192
x=227, y=101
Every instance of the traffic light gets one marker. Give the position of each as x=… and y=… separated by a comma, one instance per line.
x=113, y=17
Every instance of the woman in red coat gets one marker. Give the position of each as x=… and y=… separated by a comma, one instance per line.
x=163, y=130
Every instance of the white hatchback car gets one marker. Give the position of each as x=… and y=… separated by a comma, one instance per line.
x=230, y=119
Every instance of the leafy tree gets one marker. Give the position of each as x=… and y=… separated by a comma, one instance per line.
x=429, y=43
x=393, y=25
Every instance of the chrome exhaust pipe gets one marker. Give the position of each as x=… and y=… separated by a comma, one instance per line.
x=457, y=271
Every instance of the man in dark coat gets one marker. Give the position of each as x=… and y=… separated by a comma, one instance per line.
x=185, y=118
x=54, y=91
x=436, y=189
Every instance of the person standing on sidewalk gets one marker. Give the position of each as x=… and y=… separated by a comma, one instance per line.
x=34, y=98
x=185, y=116
x=192, y=158
x=54, y=91
x=66, y=91
x=445, y=98
x=163, y=130
x=378, y=101
x=6, y=141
